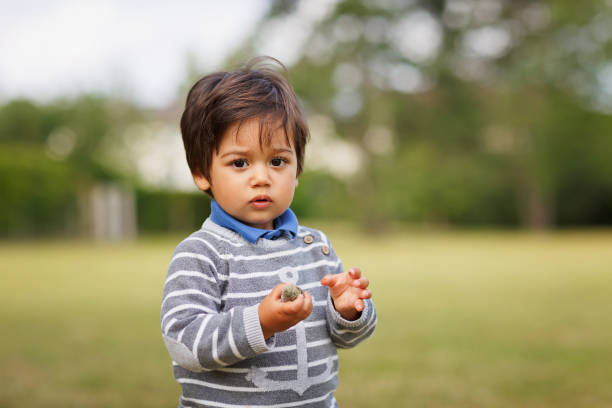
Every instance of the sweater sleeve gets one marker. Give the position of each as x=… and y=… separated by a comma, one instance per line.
x=200, y=336
x=349, y=333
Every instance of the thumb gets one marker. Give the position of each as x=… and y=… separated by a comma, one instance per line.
x=277, y=291
x=328, y=280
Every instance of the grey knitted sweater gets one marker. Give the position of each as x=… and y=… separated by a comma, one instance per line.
x=210, y=322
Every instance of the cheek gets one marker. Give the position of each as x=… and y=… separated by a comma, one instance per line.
x=286, y=184
x=227, y=183
x=290, y=187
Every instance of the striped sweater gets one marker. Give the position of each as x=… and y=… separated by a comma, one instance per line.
x=210, y=322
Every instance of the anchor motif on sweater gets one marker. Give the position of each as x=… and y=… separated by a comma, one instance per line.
x=259, y=377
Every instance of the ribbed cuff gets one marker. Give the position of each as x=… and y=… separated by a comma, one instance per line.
x=252, y=327
x=340, y=321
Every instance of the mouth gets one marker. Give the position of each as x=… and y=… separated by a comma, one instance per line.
x=261, y=201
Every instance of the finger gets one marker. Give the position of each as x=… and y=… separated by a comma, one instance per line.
x=361, y=283
x=359, y=305
x=277, y=291
x=328, y=280
x=354, y=273
x=307, y=299
x=307, y=305
x=294, y=306
x=366, y=294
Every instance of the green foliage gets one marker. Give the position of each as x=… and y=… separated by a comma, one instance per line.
x=49, y=151
x=24, y=122
x=321, y=195
x=161, y=211
x=38, y=193
x=443, y=189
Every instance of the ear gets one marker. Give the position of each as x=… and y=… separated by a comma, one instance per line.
x=296, y=182
x=201, y=181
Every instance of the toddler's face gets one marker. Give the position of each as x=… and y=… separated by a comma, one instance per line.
x=252, y=183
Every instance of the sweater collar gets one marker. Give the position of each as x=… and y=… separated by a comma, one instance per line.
x=286, y=223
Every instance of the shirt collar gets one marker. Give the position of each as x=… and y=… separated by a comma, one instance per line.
x=286, y=222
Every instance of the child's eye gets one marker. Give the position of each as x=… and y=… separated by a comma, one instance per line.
x=278, y=161
x=240, y=163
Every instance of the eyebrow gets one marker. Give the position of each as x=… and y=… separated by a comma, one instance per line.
x=240, y=152
x=234, y=151
x=282, y=150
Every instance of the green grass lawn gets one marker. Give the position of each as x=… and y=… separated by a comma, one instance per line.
x=466, y=319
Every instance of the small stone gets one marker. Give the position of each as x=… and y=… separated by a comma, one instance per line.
x=290, y=292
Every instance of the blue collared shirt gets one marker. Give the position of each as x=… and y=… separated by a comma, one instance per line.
x=286, y=222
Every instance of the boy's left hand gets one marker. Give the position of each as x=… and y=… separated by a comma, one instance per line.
x=348, y=290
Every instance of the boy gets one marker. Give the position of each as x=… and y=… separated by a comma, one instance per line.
x=232, y=340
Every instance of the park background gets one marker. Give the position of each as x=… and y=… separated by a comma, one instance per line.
x=460, y=155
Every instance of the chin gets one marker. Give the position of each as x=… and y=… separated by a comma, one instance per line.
x=257, y=223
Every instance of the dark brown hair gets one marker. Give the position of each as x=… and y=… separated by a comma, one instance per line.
x=219, y=100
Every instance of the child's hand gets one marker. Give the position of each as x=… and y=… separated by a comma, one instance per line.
x=348, y=290
x=276, y=316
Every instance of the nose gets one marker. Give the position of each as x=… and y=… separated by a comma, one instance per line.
x=260, y=175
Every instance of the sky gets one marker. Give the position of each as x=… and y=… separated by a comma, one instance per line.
x=134, y=49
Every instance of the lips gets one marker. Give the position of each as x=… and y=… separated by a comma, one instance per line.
x=261, y=201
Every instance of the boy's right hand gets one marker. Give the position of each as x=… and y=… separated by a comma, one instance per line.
x=276, y=316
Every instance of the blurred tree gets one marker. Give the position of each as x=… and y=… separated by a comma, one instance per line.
x=464, y=111
x=51, y=153
x=73, y=132
x=38, y=193
x=61, y=163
